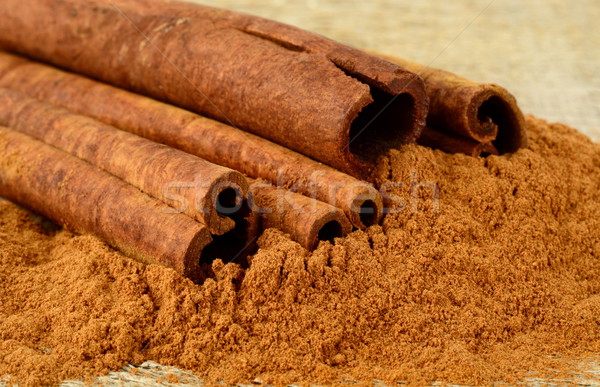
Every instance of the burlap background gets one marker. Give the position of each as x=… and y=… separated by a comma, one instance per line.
x=546, y=52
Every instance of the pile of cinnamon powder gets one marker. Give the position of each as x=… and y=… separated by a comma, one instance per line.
x=496, y=277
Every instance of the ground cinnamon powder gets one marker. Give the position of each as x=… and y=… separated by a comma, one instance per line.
x=498, y=280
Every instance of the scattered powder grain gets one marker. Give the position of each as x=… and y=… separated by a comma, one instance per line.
x=498, y=278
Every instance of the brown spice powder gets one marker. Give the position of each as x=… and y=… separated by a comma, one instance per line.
x=502, y=279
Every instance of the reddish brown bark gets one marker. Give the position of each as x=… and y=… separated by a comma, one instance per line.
x=206, y=138
x=86, y=199
x=237, y=76
x=205, y=191
x=306, y=220
x=481, y=112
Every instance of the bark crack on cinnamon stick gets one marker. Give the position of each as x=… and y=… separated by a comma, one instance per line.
x=206, y=138
x=219, y=71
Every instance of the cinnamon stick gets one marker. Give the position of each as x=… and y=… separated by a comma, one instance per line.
x=207, y=192
x=238, y=77
x=86, y=199
x=211, y=140
x=306, y=220
x=482, y=112
x=454, y=144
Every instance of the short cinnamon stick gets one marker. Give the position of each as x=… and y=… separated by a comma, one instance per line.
x=205, y=191
x=238, y=77
x=482, y=112
x=211, y=140
x=454, y=144
x=306, y=220
x=86, y=199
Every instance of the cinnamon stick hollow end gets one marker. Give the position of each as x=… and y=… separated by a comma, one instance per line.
x=329, y=226
x=482, y=112
x=361, y=203
x=396, y=116
x=479, y=111
x=496, y=106
x=224, y=201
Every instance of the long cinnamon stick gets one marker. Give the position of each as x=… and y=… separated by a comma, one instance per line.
x=452, y=99
x=211, y=140
x=482, y=112
x=235, y=76
x=306, y=220
x=371, y=69
x=207, y=192
x=86, y=199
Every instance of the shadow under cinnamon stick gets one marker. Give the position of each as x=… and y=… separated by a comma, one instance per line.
x=453, y=144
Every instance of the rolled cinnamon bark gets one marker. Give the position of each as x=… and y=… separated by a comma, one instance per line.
x=483, y=112
x=238, y=77
x=86, y=199
x=307, y=221
x=211, y=140
x=454, y=144
x=207, y=192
